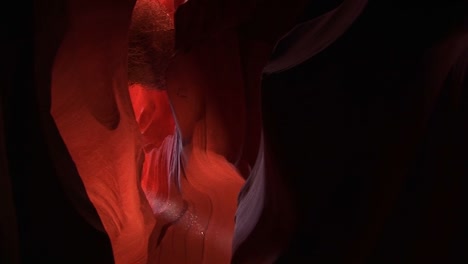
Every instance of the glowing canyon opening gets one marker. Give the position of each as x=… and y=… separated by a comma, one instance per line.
x=235, y=131
x=152, y=148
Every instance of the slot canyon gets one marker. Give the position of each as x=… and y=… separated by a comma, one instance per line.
x=234, y=131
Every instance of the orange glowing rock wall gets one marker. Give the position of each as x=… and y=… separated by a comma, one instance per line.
x=93, y=112
x=164, y=194
x=164, y=167
x=132, y=130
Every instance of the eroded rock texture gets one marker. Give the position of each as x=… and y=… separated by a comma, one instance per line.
x=236, y=131
x=158, y=166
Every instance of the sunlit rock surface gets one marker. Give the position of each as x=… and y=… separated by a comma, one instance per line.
x=162, y=186
x=140, y=123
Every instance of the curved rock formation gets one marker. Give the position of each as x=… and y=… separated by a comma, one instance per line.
x=253, y=131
